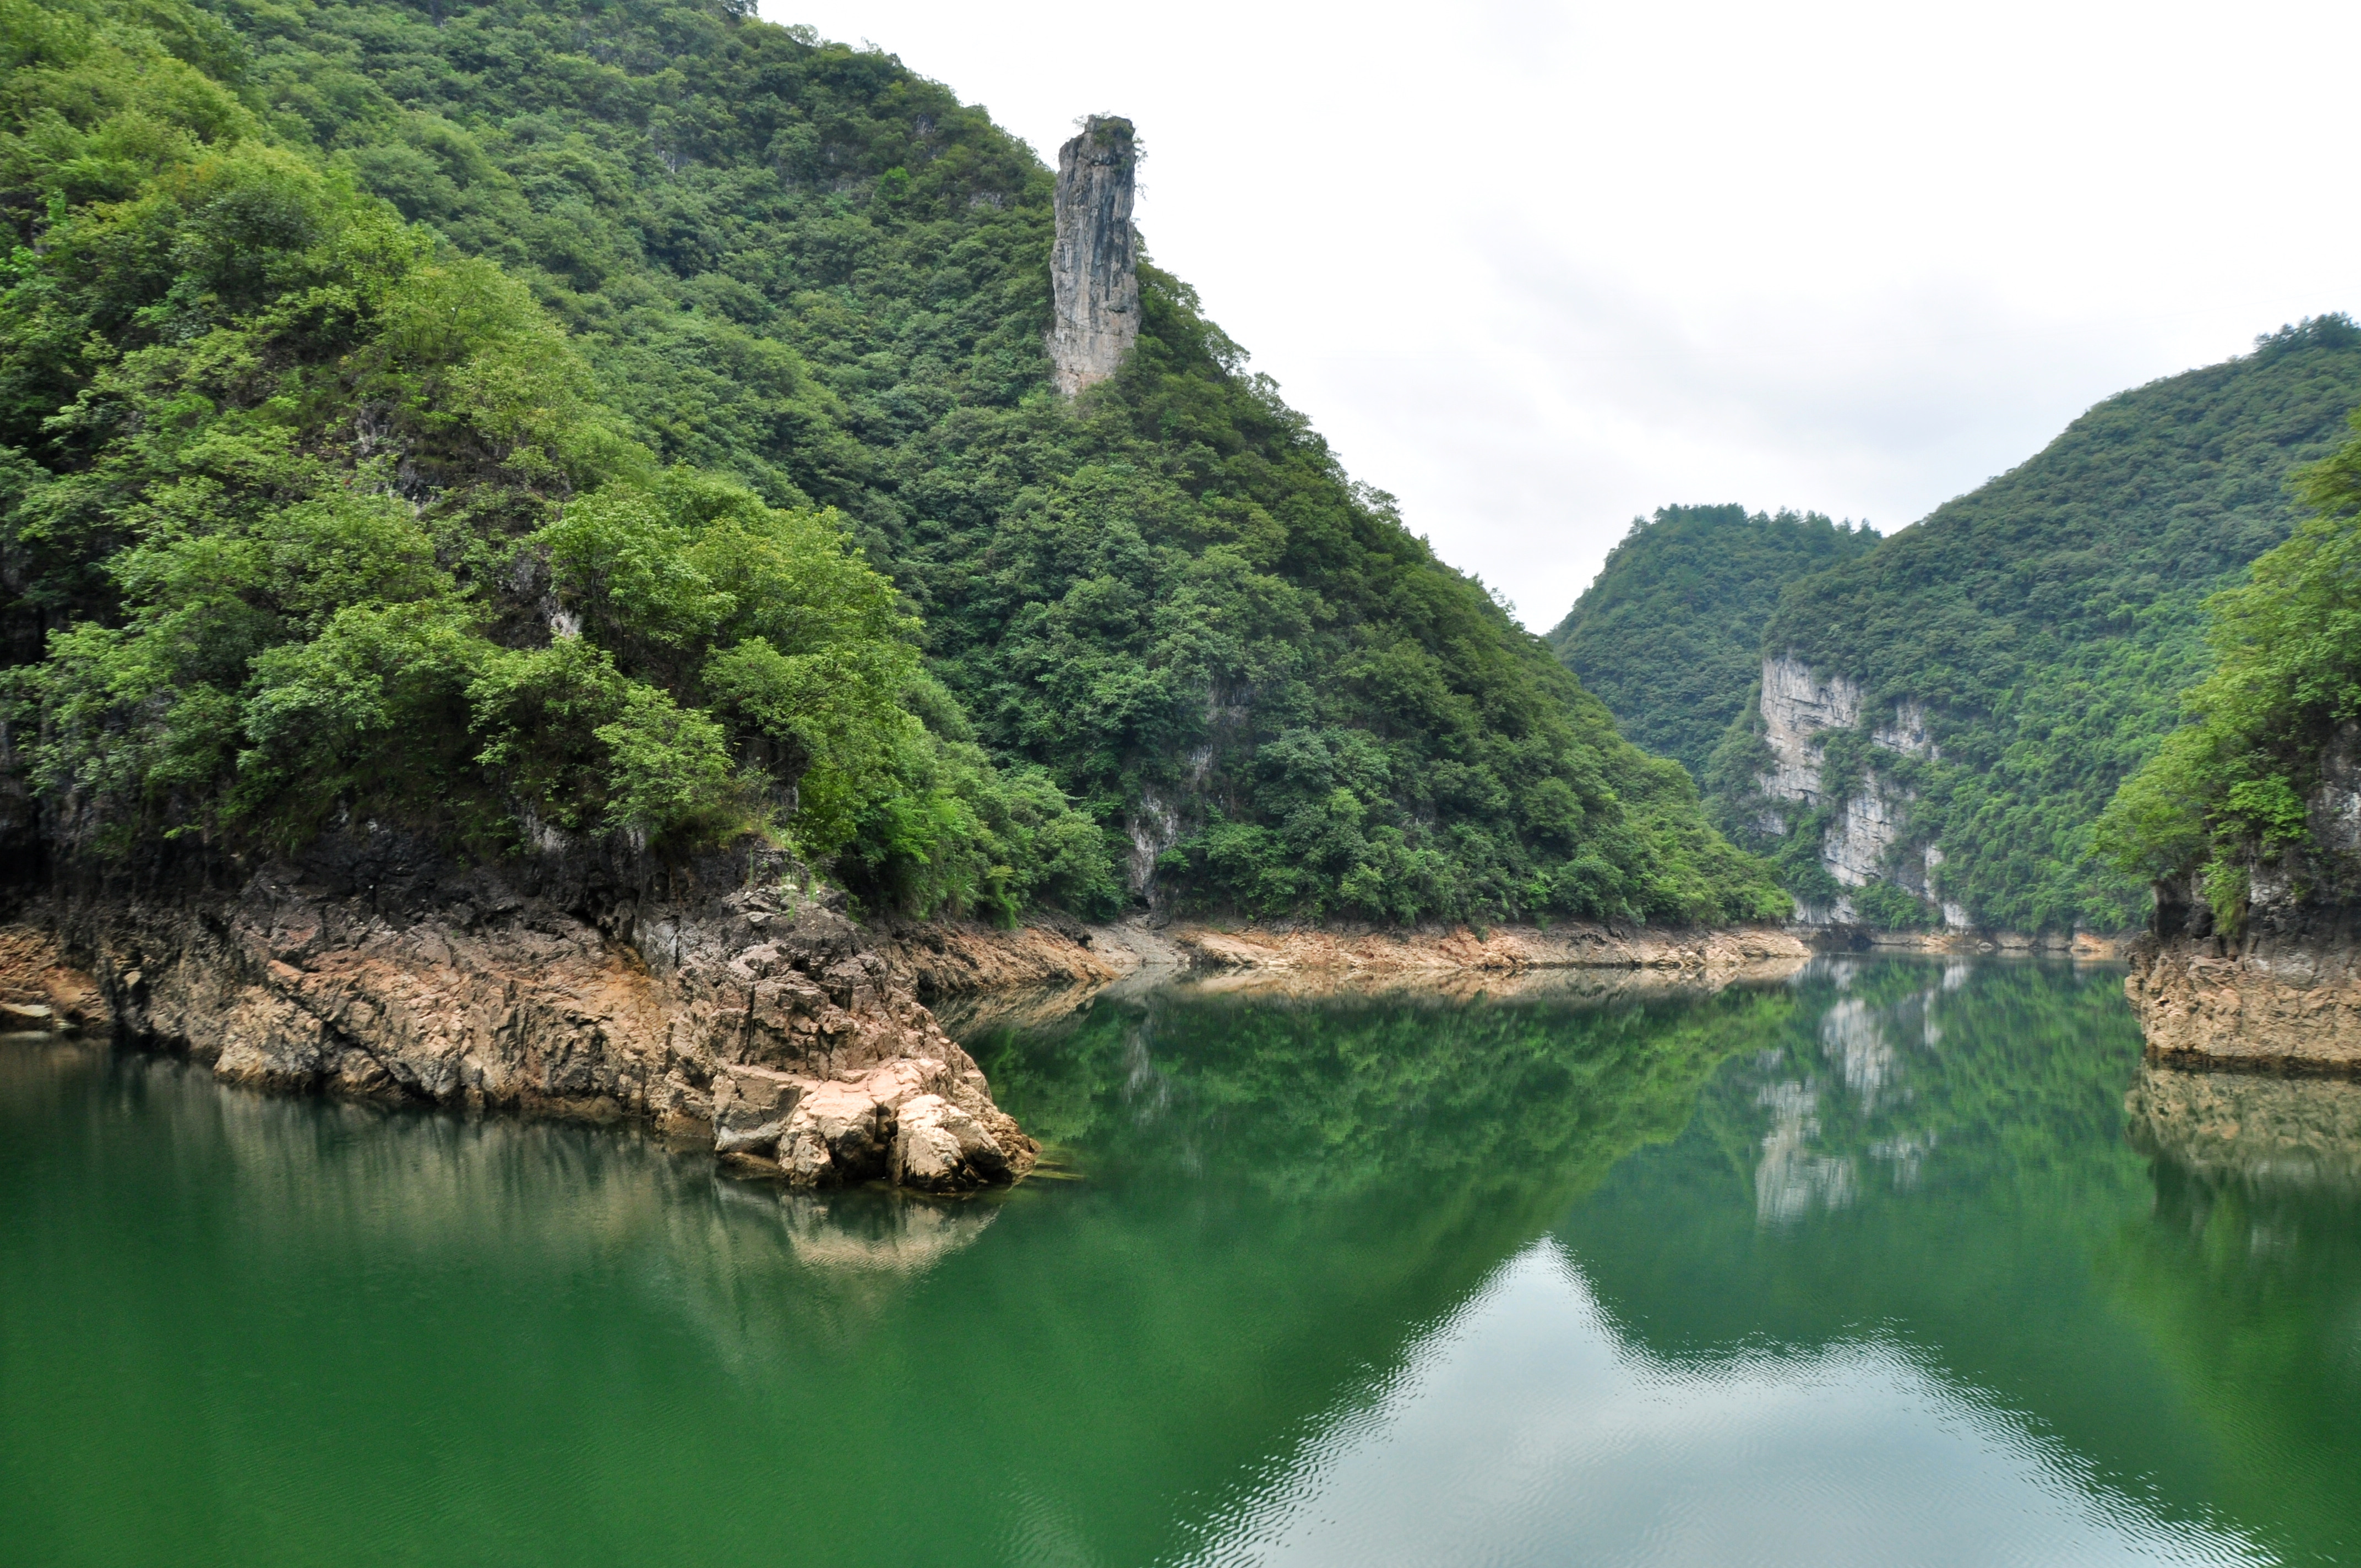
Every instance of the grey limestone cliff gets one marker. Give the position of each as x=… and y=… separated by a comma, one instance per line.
x=1865, y=838
x=1093, y=275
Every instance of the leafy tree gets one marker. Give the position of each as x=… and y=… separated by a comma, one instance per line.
x=677, y=312
x=308, y=513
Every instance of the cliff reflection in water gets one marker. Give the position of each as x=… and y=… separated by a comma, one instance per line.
x=1641, y=1259
x=2164, y=1284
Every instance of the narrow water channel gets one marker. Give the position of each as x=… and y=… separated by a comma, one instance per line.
x=1869, y=1266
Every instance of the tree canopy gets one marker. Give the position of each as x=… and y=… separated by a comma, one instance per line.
x=2232, y=786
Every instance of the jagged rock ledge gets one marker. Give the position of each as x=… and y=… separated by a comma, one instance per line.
x=2272, y=1001
x=713, y=999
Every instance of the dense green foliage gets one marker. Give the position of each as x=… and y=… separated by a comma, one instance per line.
x=2231, y=787
x=2047, y=621
x=818, y=282
x=1670, y=632
x=297, y=494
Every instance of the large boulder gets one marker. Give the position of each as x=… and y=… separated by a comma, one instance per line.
x=941, y=1149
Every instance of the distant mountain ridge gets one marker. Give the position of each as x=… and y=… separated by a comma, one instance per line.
x=1668, y=634
x=1937, y=725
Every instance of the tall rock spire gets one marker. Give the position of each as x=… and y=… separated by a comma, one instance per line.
x=1092, y=269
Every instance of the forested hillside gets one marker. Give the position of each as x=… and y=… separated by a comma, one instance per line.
x=530, y=417
x=2024, y=647
x=1669, y=634
x=2240, y=787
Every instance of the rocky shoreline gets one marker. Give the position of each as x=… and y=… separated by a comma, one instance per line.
x=2271, y=1002
x=718, y=999
x=722, y=1001
x=939, y=961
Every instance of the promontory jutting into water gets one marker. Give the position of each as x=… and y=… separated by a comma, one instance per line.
x=1894, y=1261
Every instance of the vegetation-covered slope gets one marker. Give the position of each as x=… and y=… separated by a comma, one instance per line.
x=1669, y=634
x=437, y=409
x=2046, y=622
x=2234, y=786
x=308, y=513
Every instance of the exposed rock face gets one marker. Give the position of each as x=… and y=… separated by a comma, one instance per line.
x=1094, y=277
x=1153, y=829
x=1857, y=845
x=711, y=995
x=1797, y=706
x=1800, y=708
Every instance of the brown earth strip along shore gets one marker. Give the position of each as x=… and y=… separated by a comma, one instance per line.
x=939, y=959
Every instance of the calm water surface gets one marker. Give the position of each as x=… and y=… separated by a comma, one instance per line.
x=1870, y=1267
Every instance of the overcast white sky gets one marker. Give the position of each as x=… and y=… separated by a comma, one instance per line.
x=1536, y=267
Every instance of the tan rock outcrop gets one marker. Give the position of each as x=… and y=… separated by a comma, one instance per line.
x=39, y=989
x=716, y=997
x=2288, y=1002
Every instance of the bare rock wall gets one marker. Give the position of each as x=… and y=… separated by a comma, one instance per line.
x=1093, y=266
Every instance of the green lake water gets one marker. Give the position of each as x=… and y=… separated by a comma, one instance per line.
x=1865, y=1267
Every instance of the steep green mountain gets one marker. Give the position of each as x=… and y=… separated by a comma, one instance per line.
x=462, y=412
x=1668, y=634
x=308, y=513
x=1942, y=721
